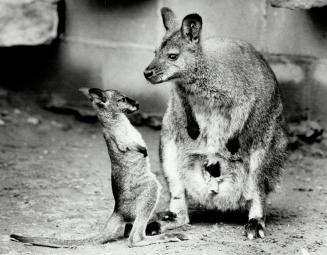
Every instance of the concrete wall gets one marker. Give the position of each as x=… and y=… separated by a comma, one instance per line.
x=109, y=43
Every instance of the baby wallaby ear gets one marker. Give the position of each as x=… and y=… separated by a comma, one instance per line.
x=96, y=95
x=191, y=27
x=85, y=91
x=169, y=19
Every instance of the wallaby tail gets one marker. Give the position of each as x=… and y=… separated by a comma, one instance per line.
x=58, y=243
x=113, y=230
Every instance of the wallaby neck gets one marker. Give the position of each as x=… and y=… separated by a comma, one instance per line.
x=196, y=81
x=109, y=118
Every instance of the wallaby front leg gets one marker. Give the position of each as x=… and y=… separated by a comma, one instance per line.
x=178, y=205
x=257, y=197
x=238, y=116
x=120, y=147
x=192, y=127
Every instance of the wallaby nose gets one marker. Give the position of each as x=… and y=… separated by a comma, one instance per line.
x=148, y=73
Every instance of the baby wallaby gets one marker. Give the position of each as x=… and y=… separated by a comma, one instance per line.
x=135, y=188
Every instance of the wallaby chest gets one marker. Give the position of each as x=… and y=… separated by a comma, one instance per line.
x=123, y=133
x=213, y=123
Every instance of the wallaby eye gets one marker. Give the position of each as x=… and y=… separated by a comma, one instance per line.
x=172, y=56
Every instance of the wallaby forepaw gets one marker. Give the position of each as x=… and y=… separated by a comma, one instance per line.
x=233, y=145
x=153, y=228
x=254, y=229
x=167, y=216
x=180, y=236
x=193, y=131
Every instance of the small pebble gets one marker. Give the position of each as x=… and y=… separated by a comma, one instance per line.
x=2, y=123
x=33, y=121
x=4, y=113
x=17, y=111
x=304, y=252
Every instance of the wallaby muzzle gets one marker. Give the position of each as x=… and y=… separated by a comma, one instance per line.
x=152, y=72
x=134, y=104
x=148, y=73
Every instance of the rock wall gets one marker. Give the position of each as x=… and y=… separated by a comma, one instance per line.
x=28, y=22
x=298, y=4
x=109, y=43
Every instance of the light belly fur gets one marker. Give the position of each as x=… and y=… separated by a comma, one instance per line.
x=232, y=188
x=214, y=127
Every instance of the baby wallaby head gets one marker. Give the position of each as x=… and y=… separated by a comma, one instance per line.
x=110, y=100
x=178, y=54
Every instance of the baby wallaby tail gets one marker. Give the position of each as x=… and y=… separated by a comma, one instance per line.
x=53, y=242
x=114, y=230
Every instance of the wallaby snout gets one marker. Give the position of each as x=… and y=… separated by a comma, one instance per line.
x=148, y=73
x=153, y=73
x=134, y=104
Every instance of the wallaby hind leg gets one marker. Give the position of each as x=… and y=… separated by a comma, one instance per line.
x=114, y=228
x=144, y=212
x=257, y=202
x=178, y=206
x=256, y=224
x=138, y=238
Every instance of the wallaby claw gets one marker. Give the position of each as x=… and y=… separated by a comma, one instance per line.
x=179, y=236
x=153, y=228
x=254, y=229
x=167, y=216
x=186, y=227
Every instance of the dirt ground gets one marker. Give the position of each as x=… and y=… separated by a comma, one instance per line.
x=55, y=181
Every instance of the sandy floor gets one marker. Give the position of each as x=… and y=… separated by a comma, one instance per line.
x=54, y=181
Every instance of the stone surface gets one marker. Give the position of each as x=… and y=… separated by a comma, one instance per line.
x=286, y=71
x=298, y=4
x=307, y=131
x=231, y=18
x=297, y=32
x=28, y=22
x=108, y=44
x=127, y=23
x=293, y=75
x=319, y=91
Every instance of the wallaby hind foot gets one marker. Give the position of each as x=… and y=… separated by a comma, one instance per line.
x=162, y=238
x=255, y=228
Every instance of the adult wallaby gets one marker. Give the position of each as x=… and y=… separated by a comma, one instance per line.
x=224, y=111
x=135, y=188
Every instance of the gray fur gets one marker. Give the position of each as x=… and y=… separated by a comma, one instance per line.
x=229, y=90
x=135, y=188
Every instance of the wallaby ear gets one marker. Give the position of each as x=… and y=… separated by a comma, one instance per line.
x=191, y=27
x=169, y=19
x=98, y=94
x=85, y=91
x=95, y=95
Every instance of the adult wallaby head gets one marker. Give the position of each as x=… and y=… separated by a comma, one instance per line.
x=180, y=51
